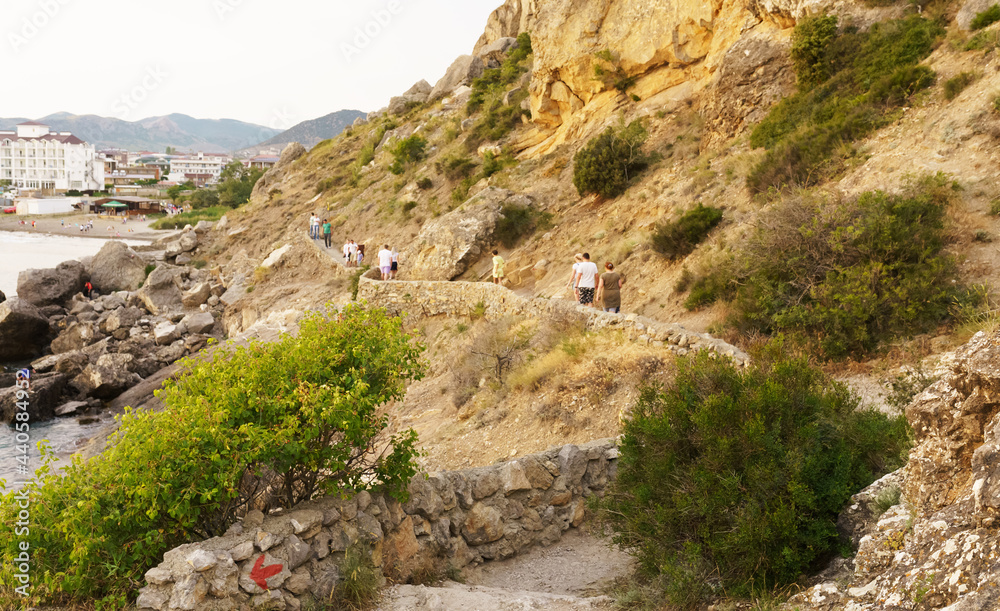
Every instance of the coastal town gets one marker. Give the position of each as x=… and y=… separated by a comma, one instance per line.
x=43, y=171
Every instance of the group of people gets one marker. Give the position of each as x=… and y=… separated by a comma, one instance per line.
x=589, y=285
x=318, y=227
x=354, y=253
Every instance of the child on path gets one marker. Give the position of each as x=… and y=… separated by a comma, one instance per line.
x=498, y=264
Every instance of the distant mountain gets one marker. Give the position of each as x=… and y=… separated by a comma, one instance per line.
x=156, y=133
x=310, y=133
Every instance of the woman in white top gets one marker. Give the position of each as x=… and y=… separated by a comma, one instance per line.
x=578, y=258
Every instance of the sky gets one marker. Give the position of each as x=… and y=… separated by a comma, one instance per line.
x=270, y=62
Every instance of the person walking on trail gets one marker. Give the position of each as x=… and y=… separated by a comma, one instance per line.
x=347, y=253
x=577, y=260
x=327, y=233
x=361, y=254
x=498, y=264
x=314, y=226
x=586, y=281
x=394, y=267
x=354, y=254
x=609, y=289
x=385, y=262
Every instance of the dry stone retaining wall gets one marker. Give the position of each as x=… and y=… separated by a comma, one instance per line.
x=436, y=298
x=451, y=519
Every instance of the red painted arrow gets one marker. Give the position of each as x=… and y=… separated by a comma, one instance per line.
x=260, y=573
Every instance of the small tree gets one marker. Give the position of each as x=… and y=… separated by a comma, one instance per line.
x=236, y=183
x=608, y=163
x=408, y=150
x=255, y=426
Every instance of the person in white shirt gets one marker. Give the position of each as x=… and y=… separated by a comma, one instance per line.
x=385, y=261
x=347, y=253
x=577, y=260
x=314, y=226
x=354, y=252
x=586, y=280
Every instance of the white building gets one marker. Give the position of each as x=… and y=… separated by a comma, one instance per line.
x=34, y=158
x=200, y=168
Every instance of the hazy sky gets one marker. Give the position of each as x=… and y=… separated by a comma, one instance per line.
x=272, y=62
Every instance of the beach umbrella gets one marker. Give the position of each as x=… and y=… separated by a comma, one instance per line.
x=114, y=204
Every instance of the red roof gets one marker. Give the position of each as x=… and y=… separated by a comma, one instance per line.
x=34, y=123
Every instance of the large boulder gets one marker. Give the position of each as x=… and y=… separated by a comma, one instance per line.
x=448, y=245
x=197, y=295
x=418, y=94
x=77, y=336
x=3, y=297
x=24, y=331
x=187, y=242
x=201, y=322
x=162, y=290
x=492, y=55
x=461, y=72
x=45, y=287
x=109, y=377
x=117, y=268
x=44, y=395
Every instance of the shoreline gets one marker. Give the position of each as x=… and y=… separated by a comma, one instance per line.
x=63, y=226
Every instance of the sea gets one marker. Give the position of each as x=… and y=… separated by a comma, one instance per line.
x=20, y=251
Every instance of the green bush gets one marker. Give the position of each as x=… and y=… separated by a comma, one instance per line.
x=986, y=18
x=956, y=84
x=455, y=167
x=261, y=425
x=425, y=183
x=730, y=480
x=676, y=239
x=850, y=84
x=516, y=222
x=612, y=74
x=408, y=150
x=609, y=162
x=178, y=221
x=844, y=275
x=488, y=91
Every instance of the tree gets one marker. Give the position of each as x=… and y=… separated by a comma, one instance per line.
x=237, y=182
x=175, y=191
x=255, y=426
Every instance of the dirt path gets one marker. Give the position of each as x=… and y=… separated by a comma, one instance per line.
x=567, y=576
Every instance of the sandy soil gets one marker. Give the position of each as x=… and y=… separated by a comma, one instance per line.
x=69, y=224
x=569, y=575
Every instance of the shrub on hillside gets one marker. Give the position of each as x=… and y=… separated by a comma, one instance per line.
x=516, y=222
x=957, y=84
x=676, y=239
x=850, y=84
x=609, y=162
x=730, y=479
x=254, y=426
x=845, y=275
x=406, y=151
x=985, y=18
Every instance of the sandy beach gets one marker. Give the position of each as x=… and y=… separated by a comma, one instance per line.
x=69, y=225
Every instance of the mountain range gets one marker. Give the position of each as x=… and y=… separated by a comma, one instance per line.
x=186, y=133
x=310, y=133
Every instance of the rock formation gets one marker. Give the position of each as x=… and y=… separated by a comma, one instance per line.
x=24, y=330
x=938, y=546
x=116, y=267
x=45, y=287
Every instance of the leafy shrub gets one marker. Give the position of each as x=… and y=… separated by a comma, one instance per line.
x=956, y=84
x=291, y=419
x=995, y=207
x=516, y=222
x=455, y=167
x=608, y=163
x=844, y=275
x=488, y=93
x=612, y=74
x=983, y=41
x=735, y=477
x=678, y=238
x=407, y=150
x=178, y=221
x=985, y=18
x=425, y=183
x=850, y=84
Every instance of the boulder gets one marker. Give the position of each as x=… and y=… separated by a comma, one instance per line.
x=418, y=94
x=117, y=268
x=44, y=394
x=109, y=377
x=77, y=336
x=203, y=227
x=483, y=524
x=70, y=408
x=162, y=291
x=202, y=322
x=165, y=333
x=448, y=245
x=187, y=242
x=24, y=331
x=197, y=295
x=492, y=55
x=3, y=297
x=461, y=72
x=44, y=287
x=969, y=10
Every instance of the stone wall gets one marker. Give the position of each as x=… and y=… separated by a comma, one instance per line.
x=451, y=519
x=435, y=298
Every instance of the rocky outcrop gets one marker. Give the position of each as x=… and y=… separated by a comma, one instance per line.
x=451, y=519
x=938, y=547
x=417, y=94
x=116, y=267
x=461, y=72
x=24, y=331
x=161, y=292
x=187, y=242
x=265, y=183
x=447, y=245
x=44, y=392
x=45, y=287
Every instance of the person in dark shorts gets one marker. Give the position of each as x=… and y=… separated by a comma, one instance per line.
x=586, y=281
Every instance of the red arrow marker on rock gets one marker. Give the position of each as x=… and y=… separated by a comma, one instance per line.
x=260, y=573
